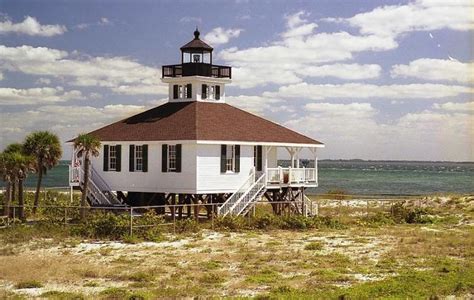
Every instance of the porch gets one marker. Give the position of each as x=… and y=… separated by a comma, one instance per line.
x=291, y=177
x=294, y=172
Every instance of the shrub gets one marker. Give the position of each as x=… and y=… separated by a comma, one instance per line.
x=314, y=246
x=376, y=220
x=266, y=221
x=104, y=225
x=327, y=222
x=296, y=222
x=231, y=223
x=403, y=214
x=30, y=284
x=187, y=225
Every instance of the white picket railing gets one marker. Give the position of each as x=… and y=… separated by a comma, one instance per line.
x=98, y=191
x=279, y=176
x=224, y=209
x=252, y=194
x=95, y=195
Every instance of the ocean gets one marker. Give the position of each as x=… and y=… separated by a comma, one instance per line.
x=359, y=177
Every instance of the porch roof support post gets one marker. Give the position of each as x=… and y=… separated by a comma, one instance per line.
x=315, y=164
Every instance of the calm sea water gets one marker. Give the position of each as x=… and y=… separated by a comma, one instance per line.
x=361, y=177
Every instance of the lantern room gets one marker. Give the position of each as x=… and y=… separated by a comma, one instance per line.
x=196, y=51
x=196, y=60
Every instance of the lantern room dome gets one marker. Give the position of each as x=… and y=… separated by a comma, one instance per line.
x=197, y=44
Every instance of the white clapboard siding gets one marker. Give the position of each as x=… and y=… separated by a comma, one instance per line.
x=209, y=176
x=153, y=180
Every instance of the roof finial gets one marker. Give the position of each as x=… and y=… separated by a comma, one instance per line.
x=196, y=33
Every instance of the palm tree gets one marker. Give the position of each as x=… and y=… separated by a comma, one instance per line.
x=46, y=148
x=12, y=148
x=6, y=172
x=15, y=166
x=86, y=145
x=22, y=165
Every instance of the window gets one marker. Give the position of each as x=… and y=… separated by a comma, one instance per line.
x=112, y=158
x=171, y=158
x=217, y=92
x=257, y=158
x=175, y=91
x=138, y=158
x=230, y=158
x=204, y=91
x=189, y=91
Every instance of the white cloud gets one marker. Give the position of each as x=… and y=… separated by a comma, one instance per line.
x=255, y=104
x=188, y=19
x=362, y=91
x=103, y=21
x=66, y=121
x=220, y=36
x=352, y=131
x=456, y=106
x=342, y=71
x=110, y=72
x=436, y=69
x=43, y=81
x=422, y=15
x=285, y=61
x=31, y=26
x=11, y=96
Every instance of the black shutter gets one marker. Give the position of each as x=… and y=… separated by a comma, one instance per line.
x=145, y=158
x=131, y=159
x=237, y=158
x=164, y=158
x=204, y=91
x=175, y=91
x=189, y=91
x=118, y=151
x=223, y=158
x=259, y=158
x=217, y=90
x=106, y=157
x=178, y=158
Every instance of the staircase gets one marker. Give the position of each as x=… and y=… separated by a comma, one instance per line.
x=99, y=192
x=242, y=200
x=304, y=206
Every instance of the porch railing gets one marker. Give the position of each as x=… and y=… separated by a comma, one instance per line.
x=279, y=176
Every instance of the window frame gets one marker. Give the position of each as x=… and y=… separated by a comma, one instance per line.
x=112, y=158
x=172, y=158
x=230, y=162
x=138, y=158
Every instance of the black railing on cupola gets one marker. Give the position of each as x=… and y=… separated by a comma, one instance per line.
x=197, y=69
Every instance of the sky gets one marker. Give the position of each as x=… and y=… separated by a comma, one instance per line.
x=388, y=80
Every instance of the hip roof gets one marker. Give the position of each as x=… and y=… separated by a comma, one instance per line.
x=199, y=121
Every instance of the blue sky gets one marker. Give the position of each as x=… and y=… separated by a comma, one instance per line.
x=371, y=79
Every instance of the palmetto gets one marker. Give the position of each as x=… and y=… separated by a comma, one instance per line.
x=45, y=147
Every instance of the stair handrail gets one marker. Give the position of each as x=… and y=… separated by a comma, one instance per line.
x=309, y=205
x=94, y=189
x=224, y=209
x=246, y=198
x=103, y=185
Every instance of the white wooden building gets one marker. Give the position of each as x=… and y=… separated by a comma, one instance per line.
x=197, y=149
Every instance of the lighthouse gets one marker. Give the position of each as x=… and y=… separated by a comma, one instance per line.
x=196, y=148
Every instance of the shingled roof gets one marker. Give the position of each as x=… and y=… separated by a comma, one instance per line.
x=199, y=121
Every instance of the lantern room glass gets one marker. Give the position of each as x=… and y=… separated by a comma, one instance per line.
x=197, y=57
